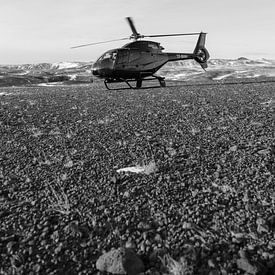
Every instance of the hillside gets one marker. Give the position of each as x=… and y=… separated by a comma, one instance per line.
x=219, y=69
x=80, y=72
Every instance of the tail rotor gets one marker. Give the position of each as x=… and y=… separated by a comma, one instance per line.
x=201, y=54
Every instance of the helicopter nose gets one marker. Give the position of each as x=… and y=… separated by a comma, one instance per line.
x=95, y=69
x=95, y=72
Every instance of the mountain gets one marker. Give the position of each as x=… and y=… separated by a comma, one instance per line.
x=46, y=73
x=219, y=70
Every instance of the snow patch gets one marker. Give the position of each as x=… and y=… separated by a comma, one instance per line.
x=145, y=169
x=73, y=76
x=222, y=76
x=64, y=65
x=51, y=84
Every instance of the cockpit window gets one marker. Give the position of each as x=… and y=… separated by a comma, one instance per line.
x=108, y=55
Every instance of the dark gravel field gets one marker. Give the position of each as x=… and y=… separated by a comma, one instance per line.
x=202, y=202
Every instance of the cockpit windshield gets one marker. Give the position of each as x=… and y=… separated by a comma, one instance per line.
x=108, y=55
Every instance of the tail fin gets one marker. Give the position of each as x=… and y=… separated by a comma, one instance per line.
x=200, y=52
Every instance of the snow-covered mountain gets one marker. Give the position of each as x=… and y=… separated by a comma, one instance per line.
x=45, y=73
x=219, y=69
x=80, y=72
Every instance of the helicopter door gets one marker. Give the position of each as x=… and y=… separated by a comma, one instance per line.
x=122, y=58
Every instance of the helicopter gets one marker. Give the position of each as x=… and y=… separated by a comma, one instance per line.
x=139, y=60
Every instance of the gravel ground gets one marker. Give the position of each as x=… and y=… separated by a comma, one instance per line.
x=209, y=199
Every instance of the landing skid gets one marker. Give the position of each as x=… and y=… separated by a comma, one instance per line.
x=138, y=83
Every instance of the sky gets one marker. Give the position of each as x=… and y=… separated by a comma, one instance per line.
x=36, y=31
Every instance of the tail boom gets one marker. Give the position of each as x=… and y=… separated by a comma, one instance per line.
x=200, y=53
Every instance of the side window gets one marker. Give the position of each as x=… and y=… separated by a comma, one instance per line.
x=134, y=55
x=122, y=56
x=114, y=56
x=153, y=46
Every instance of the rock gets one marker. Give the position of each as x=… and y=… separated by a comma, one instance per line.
x=271, y=222
x=120, y=261
x=186, y=225
x=244, y=264
x=144, y=226
x=130, y=244
x=158, y=238
x=17, y=260
x=263, y=152
x=262, y=229
x=233, y=148
x=36, y=268
x=10, y=246
x=126, y=194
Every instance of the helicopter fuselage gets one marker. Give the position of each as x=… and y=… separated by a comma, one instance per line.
x=135, y=60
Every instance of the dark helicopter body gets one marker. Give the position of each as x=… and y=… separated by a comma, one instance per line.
x=138, y=60
x=134, y=60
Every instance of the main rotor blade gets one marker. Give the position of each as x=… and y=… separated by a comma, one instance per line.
x=175, y=34
x=132, y=26
x=102, y=42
